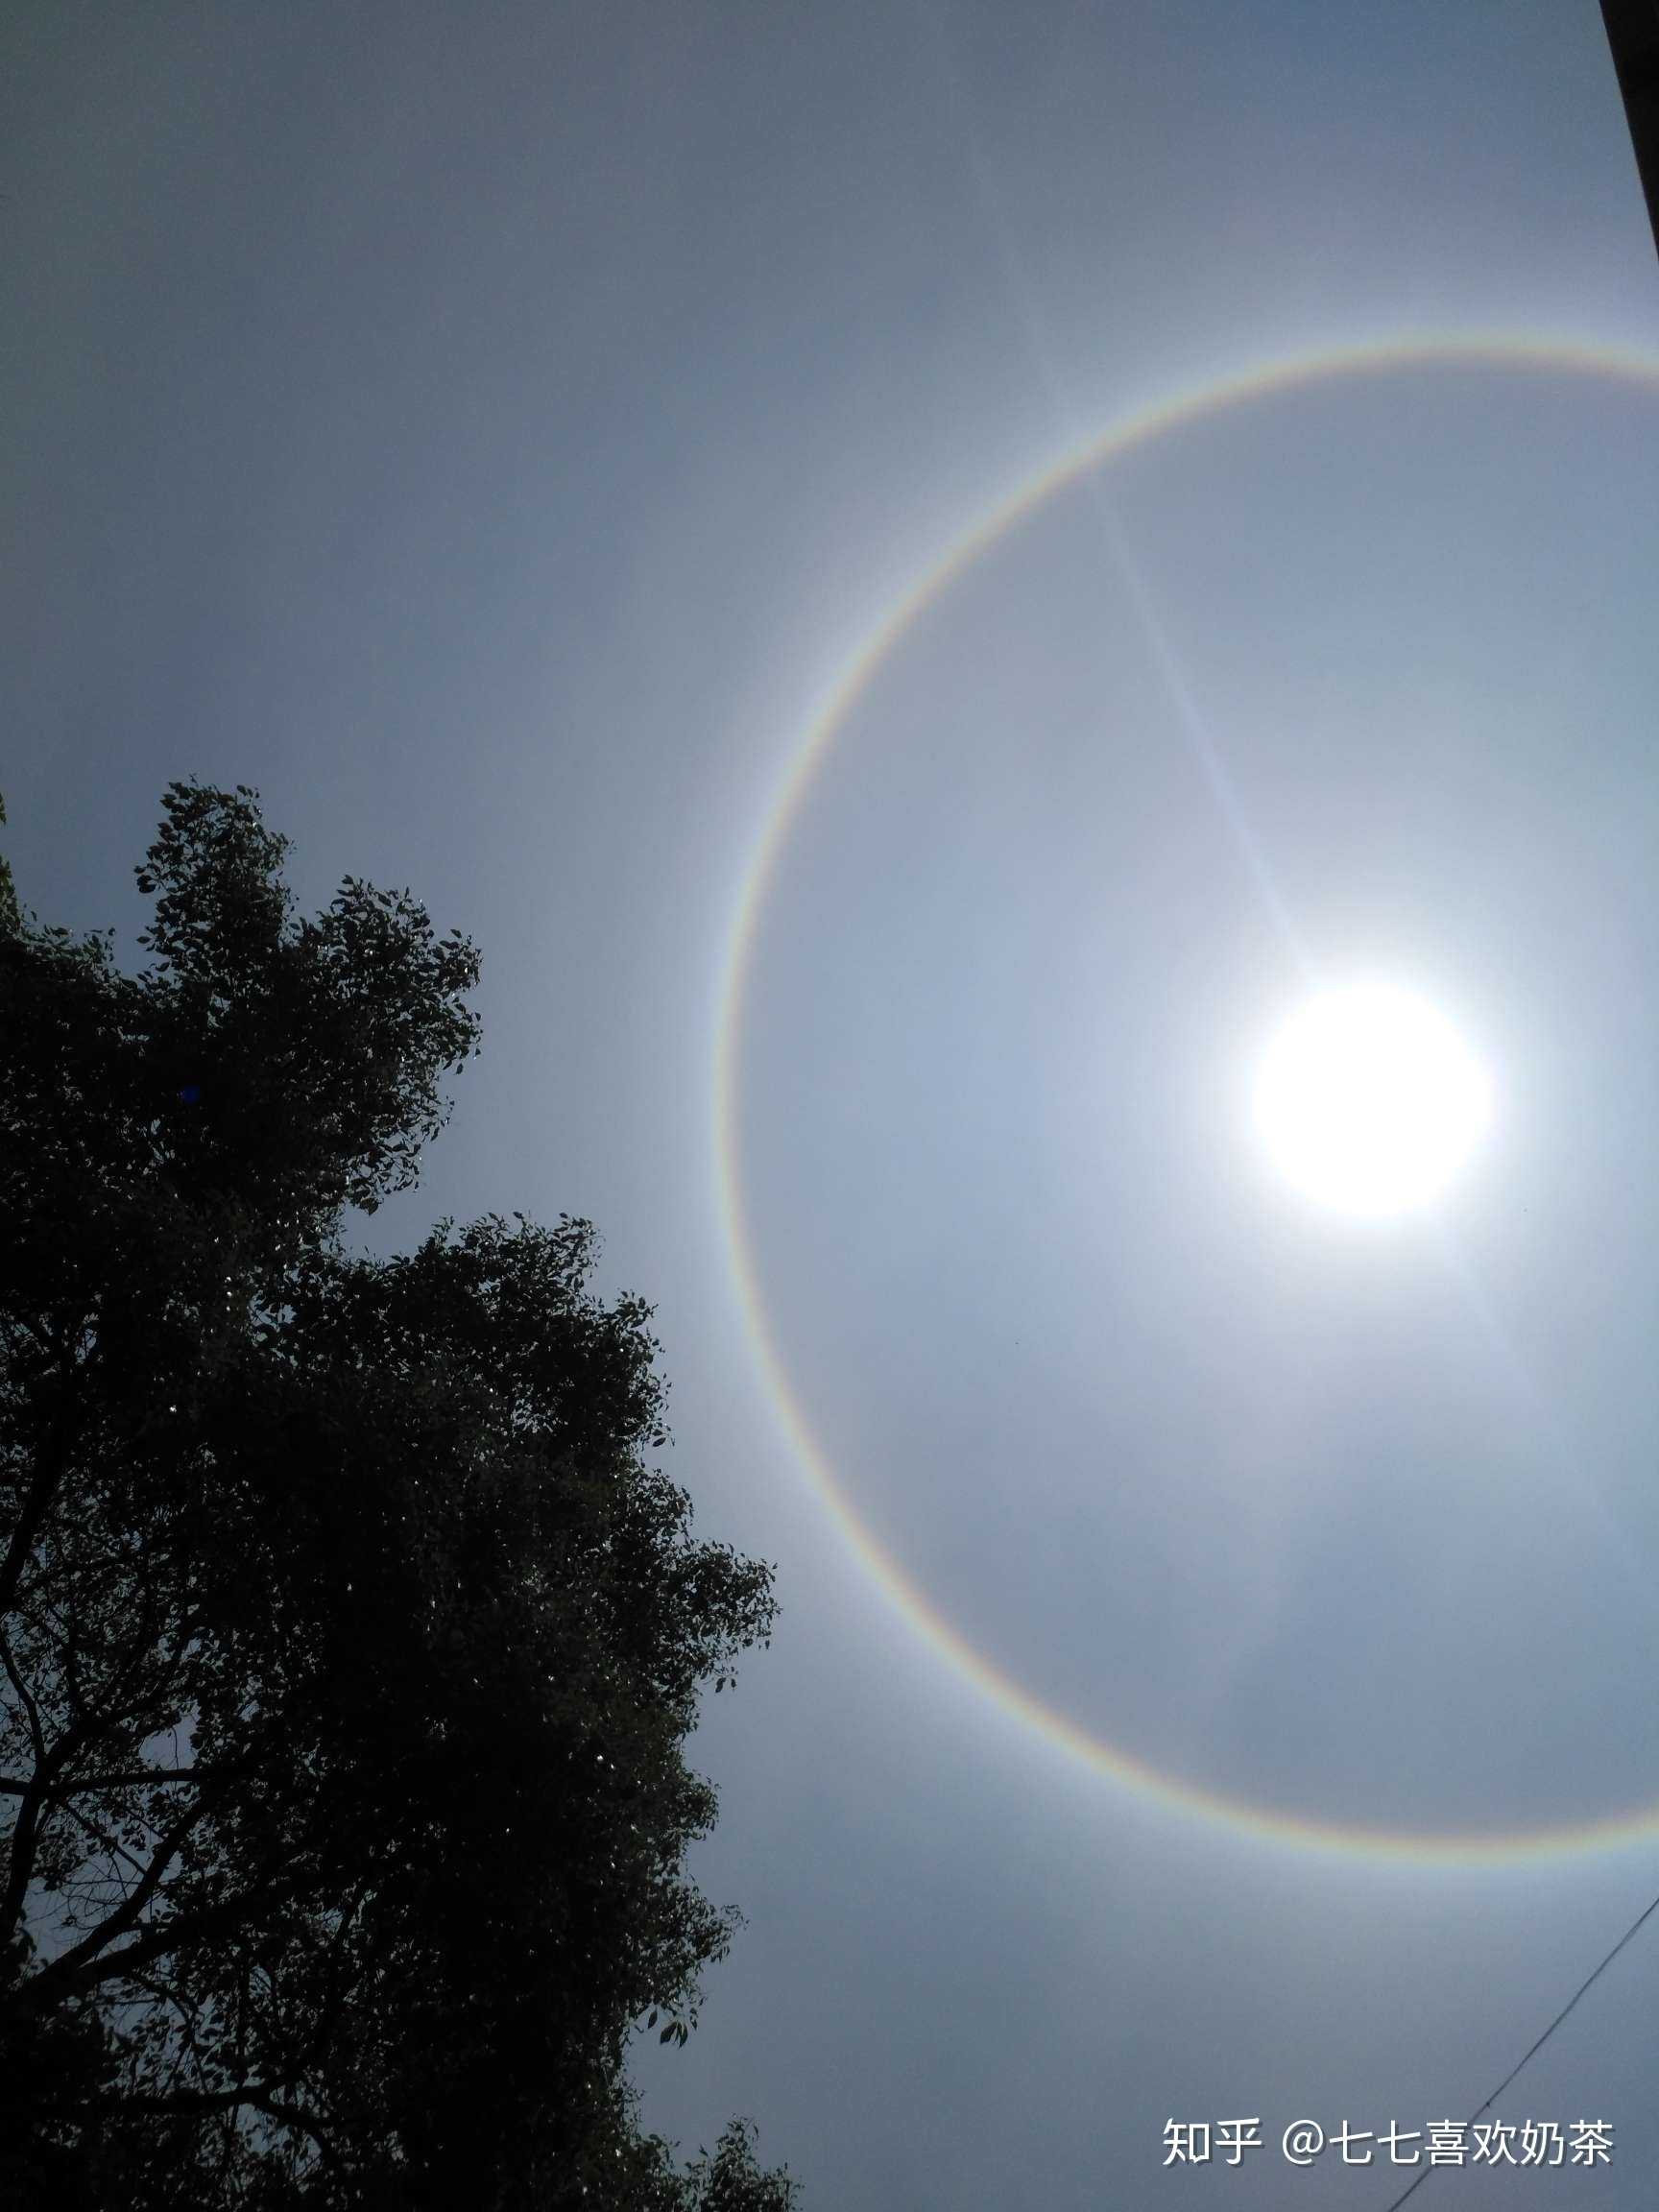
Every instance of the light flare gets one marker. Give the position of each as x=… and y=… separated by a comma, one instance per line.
x=1370, y=1101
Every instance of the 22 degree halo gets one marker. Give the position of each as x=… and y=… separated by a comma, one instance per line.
x=1236, y=1809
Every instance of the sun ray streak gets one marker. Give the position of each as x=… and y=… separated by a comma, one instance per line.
x=1069, y=424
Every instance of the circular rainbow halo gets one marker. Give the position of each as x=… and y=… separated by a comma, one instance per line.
x=1511, y=353
x=1369, y=1100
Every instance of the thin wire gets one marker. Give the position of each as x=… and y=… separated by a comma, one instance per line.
x=1539, y=2045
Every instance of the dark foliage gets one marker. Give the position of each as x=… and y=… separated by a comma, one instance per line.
x=349, y=1642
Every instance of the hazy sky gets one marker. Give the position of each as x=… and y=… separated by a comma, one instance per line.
x=498, y=433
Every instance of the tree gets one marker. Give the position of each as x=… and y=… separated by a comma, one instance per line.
x=8, y=915
x=349, y=1641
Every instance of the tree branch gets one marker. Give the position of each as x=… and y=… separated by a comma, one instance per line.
x=66, y=1970
x=76, y=1972
x=50, y=1470
x=26, y=1830
x=141, y=1779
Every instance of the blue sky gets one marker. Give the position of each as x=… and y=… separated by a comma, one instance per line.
x=495, y=433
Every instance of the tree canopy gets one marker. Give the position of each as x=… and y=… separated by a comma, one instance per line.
x=351, y=1641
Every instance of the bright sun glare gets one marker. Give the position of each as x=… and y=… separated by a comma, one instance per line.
x=1369, y=1100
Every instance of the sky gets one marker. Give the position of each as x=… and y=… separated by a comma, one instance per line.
x=913, y=575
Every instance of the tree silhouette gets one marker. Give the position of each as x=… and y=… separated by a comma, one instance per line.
x=349, y=1642
x=8, y=915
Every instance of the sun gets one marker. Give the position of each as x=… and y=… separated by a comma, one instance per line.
x=1369, y=1100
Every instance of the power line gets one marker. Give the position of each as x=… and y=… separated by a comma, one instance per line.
x=1539, y=2045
